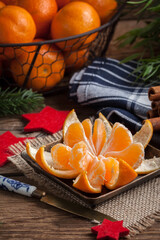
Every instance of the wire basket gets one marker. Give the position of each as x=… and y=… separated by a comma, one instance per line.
x=42, y=66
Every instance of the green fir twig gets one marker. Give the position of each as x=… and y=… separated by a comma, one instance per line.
x=19, y=101
x=146, y=38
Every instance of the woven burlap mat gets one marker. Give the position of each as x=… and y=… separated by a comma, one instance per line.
x=137, y=207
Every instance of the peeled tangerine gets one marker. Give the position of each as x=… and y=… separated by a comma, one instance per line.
x=97, y=154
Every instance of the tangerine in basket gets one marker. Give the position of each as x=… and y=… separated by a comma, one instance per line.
x=16, y=25
x=47, y=70
x=9, y=2
x=62, y=3
x=105, y=8
x=42, y=12
x=2, y=4
x=76, y=59
x=75, y=18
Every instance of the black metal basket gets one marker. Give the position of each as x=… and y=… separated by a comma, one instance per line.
x=23, y=72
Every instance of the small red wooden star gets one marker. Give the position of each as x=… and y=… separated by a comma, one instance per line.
x=7, y=139
x=49, y=120
x=110, y=230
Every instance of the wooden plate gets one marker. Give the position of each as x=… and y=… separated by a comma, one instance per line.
x=94, y=199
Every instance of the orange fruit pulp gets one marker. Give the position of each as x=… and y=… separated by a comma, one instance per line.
x=97, y=154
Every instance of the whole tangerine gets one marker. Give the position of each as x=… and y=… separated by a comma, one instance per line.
x=47, y=71
x=9, y=2
x=73, y=19
x=105, y=8
x=42, y=12
x=62, y=3
x=2, y=4
x=76, y=60
x=16, y=25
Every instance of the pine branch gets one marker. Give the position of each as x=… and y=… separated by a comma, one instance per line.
x=19, y=101
x=146, y=38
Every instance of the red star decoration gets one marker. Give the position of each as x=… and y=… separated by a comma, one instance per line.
x=110, y=230
x=49, y=120
x=7, y=139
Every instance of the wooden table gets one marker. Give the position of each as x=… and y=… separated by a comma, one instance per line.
x=27, y=218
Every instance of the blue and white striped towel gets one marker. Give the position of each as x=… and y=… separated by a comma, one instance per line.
x=112, y=88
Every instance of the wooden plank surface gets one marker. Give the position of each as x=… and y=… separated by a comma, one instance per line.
x=27, y=218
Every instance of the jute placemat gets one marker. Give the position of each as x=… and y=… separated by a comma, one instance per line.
x=138, y=207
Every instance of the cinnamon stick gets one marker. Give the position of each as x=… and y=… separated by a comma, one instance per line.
x=152, y=113
x=154, y=93
x=155, y=105
x=155, y=123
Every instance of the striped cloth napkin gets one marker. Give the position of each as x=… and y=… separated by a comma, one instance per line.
x=111, y=87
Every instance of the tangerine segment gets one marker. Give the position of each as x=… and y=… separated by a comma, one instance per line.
x=87, y=125
x=71, y=118
x=145, y=134
x=61, y=155
x=74, y=134
x=148, y=166
x=92, y=180
x=80, y=157
x=82, y=183
x=47, y=165
x=112, y=168
x=126, y=174
x=119, y=139
x=107, y=124
x=133, y=154
x=99, y=135
x=96, y=172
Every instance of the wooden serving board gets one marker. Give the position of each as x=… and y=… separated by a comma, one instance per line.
x=94, y=199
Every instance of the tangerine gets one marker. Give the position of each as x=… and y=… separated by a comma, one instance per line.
x=73, y=19
x=61, y=155
x=81, y=157
x=16, y=25
x=9, y=2
x=92, y=180
x=47, y=71
x=97, y=154
x=105, y=8
x=99, y=135
x=42, y=12
x=43, y=162
x=76, y=59
x=62, y=3
x=2, y=4
x=124, y=175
